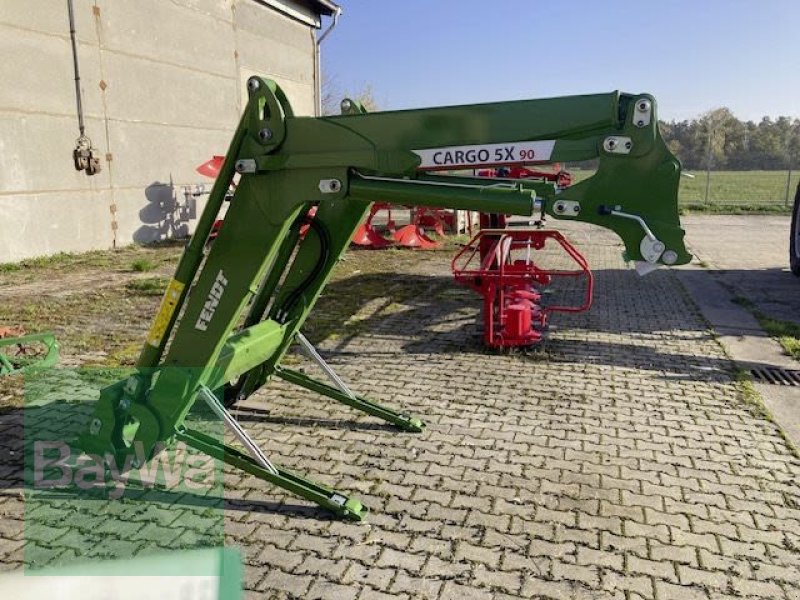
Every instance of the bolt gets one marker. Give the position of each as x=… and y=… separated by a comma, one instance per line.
x=125, y=403
x=576, y=208
x=95, y=426
x=253, y=84
x=239, y=166
x=327, y=186
x=611, y=144
x=346, y=105
x=628, y=145
x=559, y=207
x=130, y=385
x=640, y=123
x=643, y=105
x=265, y=134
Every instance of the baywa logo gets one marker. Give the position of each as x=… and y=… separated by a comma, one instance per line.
x=56, y=465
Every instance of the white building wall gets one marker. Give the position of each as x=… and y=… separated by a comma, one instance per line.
x=163, y=87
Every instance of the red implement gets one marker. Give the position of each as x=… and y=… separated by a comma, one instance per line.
x=435, y=218
x=553, y=173
x=367, y=236
x=211, y=168
x=413, y=236
x=497, y=264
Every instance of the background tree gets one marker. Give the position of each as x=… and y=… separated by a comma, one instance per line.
x=332, y=95
x=719, y=138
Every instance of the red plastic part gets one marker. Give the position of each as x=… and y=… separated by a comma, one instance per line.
x=511, y=288
x=367, y=236
x=434, y=218
x=410, y=236
x=212, y=167
x=215, y=229
x=519, y=324
x=413, y=236
x=312, y=212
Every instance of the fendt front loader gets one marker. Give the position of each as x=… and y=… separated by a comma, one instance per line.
x=228, y=318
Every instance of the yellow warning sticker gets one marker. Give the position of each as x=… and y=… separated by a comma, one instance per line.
x=168, y=304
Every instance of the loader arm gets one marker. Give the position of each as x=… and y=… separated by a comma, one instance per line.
x=253, y=290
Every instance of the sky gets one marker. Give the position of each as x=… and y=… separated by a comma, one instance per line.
x=693, y=56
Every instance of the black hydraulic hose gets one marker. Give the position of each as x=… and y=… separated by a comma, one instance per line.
x=78, y=98
x=324, y=254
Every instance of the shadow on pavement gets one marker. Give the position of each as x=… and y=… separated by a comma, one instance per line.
x=774, y=292
x=635, y=322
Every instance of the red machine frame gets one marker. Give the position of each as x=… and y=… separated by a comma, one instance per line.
x=511, y=289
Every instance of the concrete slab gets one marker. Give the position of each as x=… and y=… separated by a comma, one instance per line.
x=745, y=257
x=750, y=256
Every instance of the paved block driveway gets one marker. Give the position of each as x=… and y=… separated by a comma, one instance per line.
x=619, y=461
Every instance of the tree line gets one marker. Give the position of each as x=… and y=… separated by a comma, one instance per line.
x=720, y=141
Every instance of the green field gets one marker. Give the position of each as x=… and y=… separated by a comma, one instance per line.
x=734, y=191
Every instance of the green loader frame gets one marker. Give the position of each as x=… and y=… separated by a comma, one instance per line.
x=230, y=314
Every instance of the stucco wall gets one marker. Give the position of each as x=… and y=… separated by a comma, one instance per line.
x=163, y=86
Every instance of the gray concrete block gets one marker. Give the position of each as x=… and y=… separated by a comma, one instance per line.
x=50, y=16
x=36, y=153
x=145, y=153
x=168, y=32
x=51, y=222
x=162, y=212
x=281, y=60
x=38, y=75
x=151, y=92
x=219, y=9
x=257, y=19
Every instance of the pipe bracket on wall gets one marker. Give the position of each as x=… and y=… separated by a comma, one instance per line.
x=85, y=156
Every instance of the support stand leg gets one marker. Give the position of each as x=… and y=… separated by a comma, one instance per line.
x=317, y=358
x=343, y=394
x=259, y=465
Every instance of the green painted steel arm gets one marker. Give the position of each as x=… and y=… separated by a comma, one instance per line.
x=634, y=191
x=261, y=273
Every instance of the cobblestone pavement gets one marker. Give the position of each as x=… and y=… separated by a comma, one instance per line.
x=620, y=460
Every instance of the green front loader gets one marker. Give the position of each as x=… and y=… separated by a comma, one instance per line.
x=229, y=316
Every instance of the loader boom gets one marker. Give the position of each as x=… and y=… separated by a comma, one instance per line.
x=259, y=269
